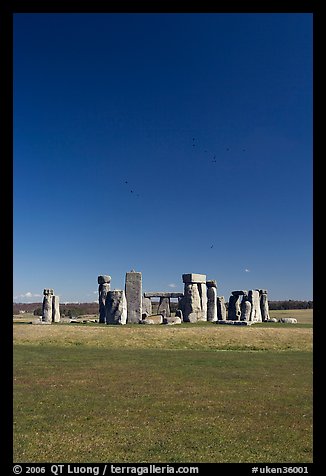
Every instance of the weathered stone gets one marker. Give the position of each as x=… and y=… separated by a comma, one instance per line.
x=178, y=313
x=194, y=278
x=172, y=320
x=154, y=319
x=245, y=310
x=55, y=309
x=146, y=306
x=164, y=306
x=273, y=319
x=195, y=302
x=211, y=304
x=202, y=288
x=262, y=291
x=163, y=313
x=116, y=307
x=243, y=323
x=253, y=297
x=288, y=320
x=147, y=321
x=212, y=283
x=47, y=308
x=240, y=293
x=162, y=294
x=103, y=278
x=133, y=290
x=225, y=322
x=221, y=308
x=48, y=291
x=234, y=310
x=103, y=290
x=264, y=307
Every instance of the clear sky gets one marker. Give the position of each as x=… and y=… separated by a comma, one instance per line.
x=164, y=143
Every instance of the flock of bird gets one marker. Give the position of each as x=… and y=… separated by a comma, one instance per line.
x=194, y=145
x=213, y=159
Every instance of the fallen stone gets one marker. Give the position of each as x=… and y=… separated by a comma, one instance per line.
x=243, y=323
x=155, y=318
x=288, y=320
x=171, y=321
x=225, y=322
x=146, y=321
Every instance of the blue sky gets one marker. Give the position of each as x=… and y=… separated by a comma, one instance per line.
x=164, y=143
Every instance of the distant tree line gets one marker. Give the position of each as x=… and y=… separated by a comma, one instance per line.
x=290, y=304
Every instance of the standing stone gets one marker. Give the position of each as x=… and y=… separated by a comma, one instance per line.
x=234, y=311
x=202, y=288
x=47, y=305
x=264, y=309
x=221, y=308
x=55, y=309
x=253, y=297
x=146, y=306
x=103, y=289
x=116, y=307
x=164, y=305
x=133, y=290
x=245, y=310
x=192, y=305
x=195, y=297
x=211, y=301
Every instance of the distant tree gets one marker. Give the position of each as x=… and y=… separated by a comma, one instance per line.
x=38, y=312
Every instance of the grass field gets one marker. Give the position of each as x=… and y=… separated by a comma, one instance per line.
x=189, y=393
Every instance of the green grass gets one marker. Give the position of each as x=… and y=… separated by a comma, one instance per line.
x=162, y=394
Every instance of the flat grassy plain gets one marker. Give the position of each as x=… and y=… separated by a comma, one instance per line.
x=188, y=393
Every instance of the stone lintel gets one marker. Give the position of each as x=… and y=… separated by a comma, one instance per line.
x=212, y=283
x=240, y=293
x=194, y=278
x=48, y=291
x=104, y=278
x=262, y=291
x=163, y=295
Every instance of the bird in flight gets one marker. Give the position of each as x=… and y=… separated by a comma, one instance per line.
x=212, y=246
